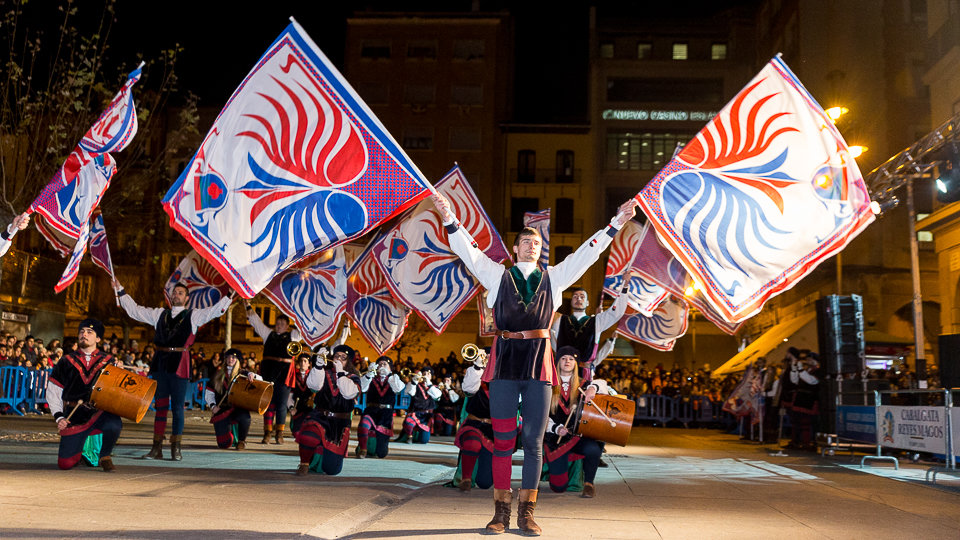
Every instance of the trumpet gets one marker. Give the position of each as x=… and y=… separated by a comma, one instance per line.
x=294, y=349
x=371, y=370
x=471, y=353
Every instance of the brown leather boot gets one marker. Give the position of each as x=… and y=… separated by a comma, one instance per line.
x=360, y=452
x=267, y=431
x=528, y=503
x=107, y=463
x=156, y=451
x=588, y=491
x=502, y=501
x=278, y=433
x=175, y=454
x=465, y=484
x=242, y=445
x=303, y=469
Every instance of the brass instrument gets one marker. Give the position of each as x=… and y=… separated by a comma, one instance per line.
x=405, y=373
x=294, y=349
x=414, y=376
x=471, y=353
x=371, y=370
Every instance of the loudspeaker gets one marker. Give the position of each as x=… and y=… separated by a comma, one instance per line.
x=949, y=360
x=840, y=333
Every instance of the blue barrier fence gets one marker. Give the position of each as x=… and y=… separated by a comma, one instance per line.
x=24, y=390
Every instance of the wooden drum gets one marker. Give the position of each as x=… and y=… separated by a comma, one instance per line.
x=123, y=393
x=250, y=395
x=616, y=430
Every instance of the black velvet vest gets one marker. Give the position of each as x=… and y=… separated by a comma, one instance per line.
x=581, y=337
x=380, y=392
x=275, y=347
x=520, y=359
x=171, y=332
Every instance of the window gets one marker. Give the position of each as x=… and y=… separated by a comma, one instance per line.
x=418, y=138
x=520, y=206
x=644, y=50
x=642, y=151
x=422, y=50
x=679, y=51
x=468, y=49
x=563, y=220
x=375, y=49
x=465, y=138
x=374, y=94
x=466, y=95
x=419, y=94
x=606, y=50
x=526, y=166
x=564, y=166
x=718, y=51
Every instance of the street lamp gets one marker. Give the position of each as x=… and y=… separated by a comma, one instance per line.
x=834, y=113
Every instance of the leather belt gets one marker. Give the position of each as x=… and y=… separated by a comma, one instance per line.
x=330, y=414
x=478, y=419
x=541, y=333
x=278, y=359
x=171, y=349
x=384, y=405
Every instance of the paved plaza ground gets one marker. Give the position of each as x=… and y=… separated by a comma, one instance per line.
x=668, y=483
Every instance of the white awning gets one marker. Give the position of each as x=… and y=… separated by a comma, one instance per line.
x=800, y=332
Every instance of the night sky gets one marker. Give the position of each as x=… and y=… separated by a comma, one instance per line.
x=223, y=40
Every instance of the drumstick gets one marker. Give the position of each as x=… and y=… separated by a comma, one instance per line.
x=603, y=414
x=77, y=406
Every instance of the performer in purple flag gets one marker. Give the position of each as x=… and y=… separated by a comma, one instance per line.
x=175, y=330
x=524, y=300
x=275, y=367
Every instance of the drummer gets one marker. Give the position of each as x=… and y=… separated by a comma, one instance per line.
x=561, y=446
x=225, y=415
x=68, y=395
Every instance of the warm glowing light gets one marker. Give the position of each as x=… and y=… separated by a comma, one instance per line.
x=857, y=150
x=941, y=186
x=692, y=289
x=834, y=113
x=824, y=181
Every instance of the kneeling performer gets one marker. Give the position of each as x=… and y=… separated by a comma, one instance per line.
x=560, y=445
x=70, y=385
x=381, y=388
x=326, y=431
x=225, y=416
x=424, y=395
x=475, y=436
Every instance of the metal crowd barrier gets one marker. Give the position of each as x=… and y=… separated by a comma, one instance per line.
x=15, y=380
x=891, y=423
x=663, y=409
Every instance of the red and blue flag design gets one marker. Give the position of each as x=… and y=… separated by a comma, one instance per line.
x=655, y=263
x=314, y=294
x=205, y=286
x=99, y=249
x=760, y=197
x=541, y=222
x=417, y=261
x=64, y=207
x=645, y=295
x=295, y=163
x=661, y=329
x=371, y=305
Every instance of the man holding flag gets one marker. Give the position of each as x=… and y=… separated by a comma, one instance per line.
x=274, y=368
x=523, y=299
x=176, y=329
x=6, y=237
